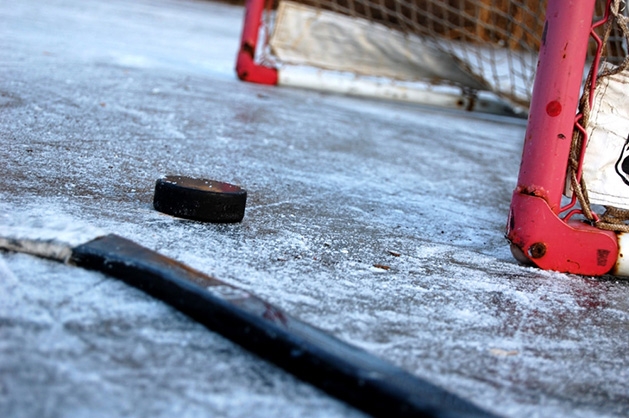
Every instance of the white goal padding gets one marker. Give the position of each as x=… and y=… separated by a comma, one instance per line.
x=305, y=35
x=606, y=160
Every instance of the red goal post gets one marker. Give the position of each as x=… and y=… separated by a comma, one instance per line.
x=562, y=213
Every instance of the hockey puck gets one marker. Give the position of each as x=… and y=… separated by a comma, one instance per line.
x=200, y=199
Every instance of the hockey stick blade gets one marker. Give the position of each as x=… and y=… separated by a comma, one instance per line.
x=340, y=369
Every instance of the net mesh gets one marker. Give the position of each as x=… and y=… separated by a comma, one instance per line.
x=496, y=40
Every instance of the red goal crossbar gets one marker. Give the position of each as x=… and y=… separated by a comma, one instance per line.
x=541, y=230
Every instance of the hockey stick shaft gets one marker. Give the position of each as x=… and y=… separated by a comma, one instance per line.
x=342, y=370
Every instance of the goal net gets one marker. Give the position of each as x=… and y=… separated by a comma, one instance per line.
x=470, y=54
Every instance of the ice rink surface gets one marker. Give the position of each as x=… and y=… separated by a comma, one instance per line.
x=98, y=99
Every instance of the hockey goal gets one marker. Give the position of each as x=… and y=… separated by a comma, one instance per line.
x=570, y=209
x=468, y=54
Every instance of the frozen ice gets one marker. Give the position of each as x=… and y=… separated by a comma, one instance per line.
x=100, y=99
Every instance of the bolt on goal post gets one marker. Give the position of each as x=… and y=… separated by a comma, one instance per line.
x=465, y=54
x=569, y=209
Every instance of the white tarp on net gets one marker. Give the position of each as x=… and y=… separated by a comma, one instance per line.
x=606, y=161
x=305, y=35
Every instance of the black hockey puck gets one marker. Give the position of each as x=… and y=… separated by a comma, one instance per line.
x=200, y=199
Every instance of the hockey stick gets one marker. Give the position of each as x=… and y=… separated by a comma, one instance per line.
x=340, y=369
